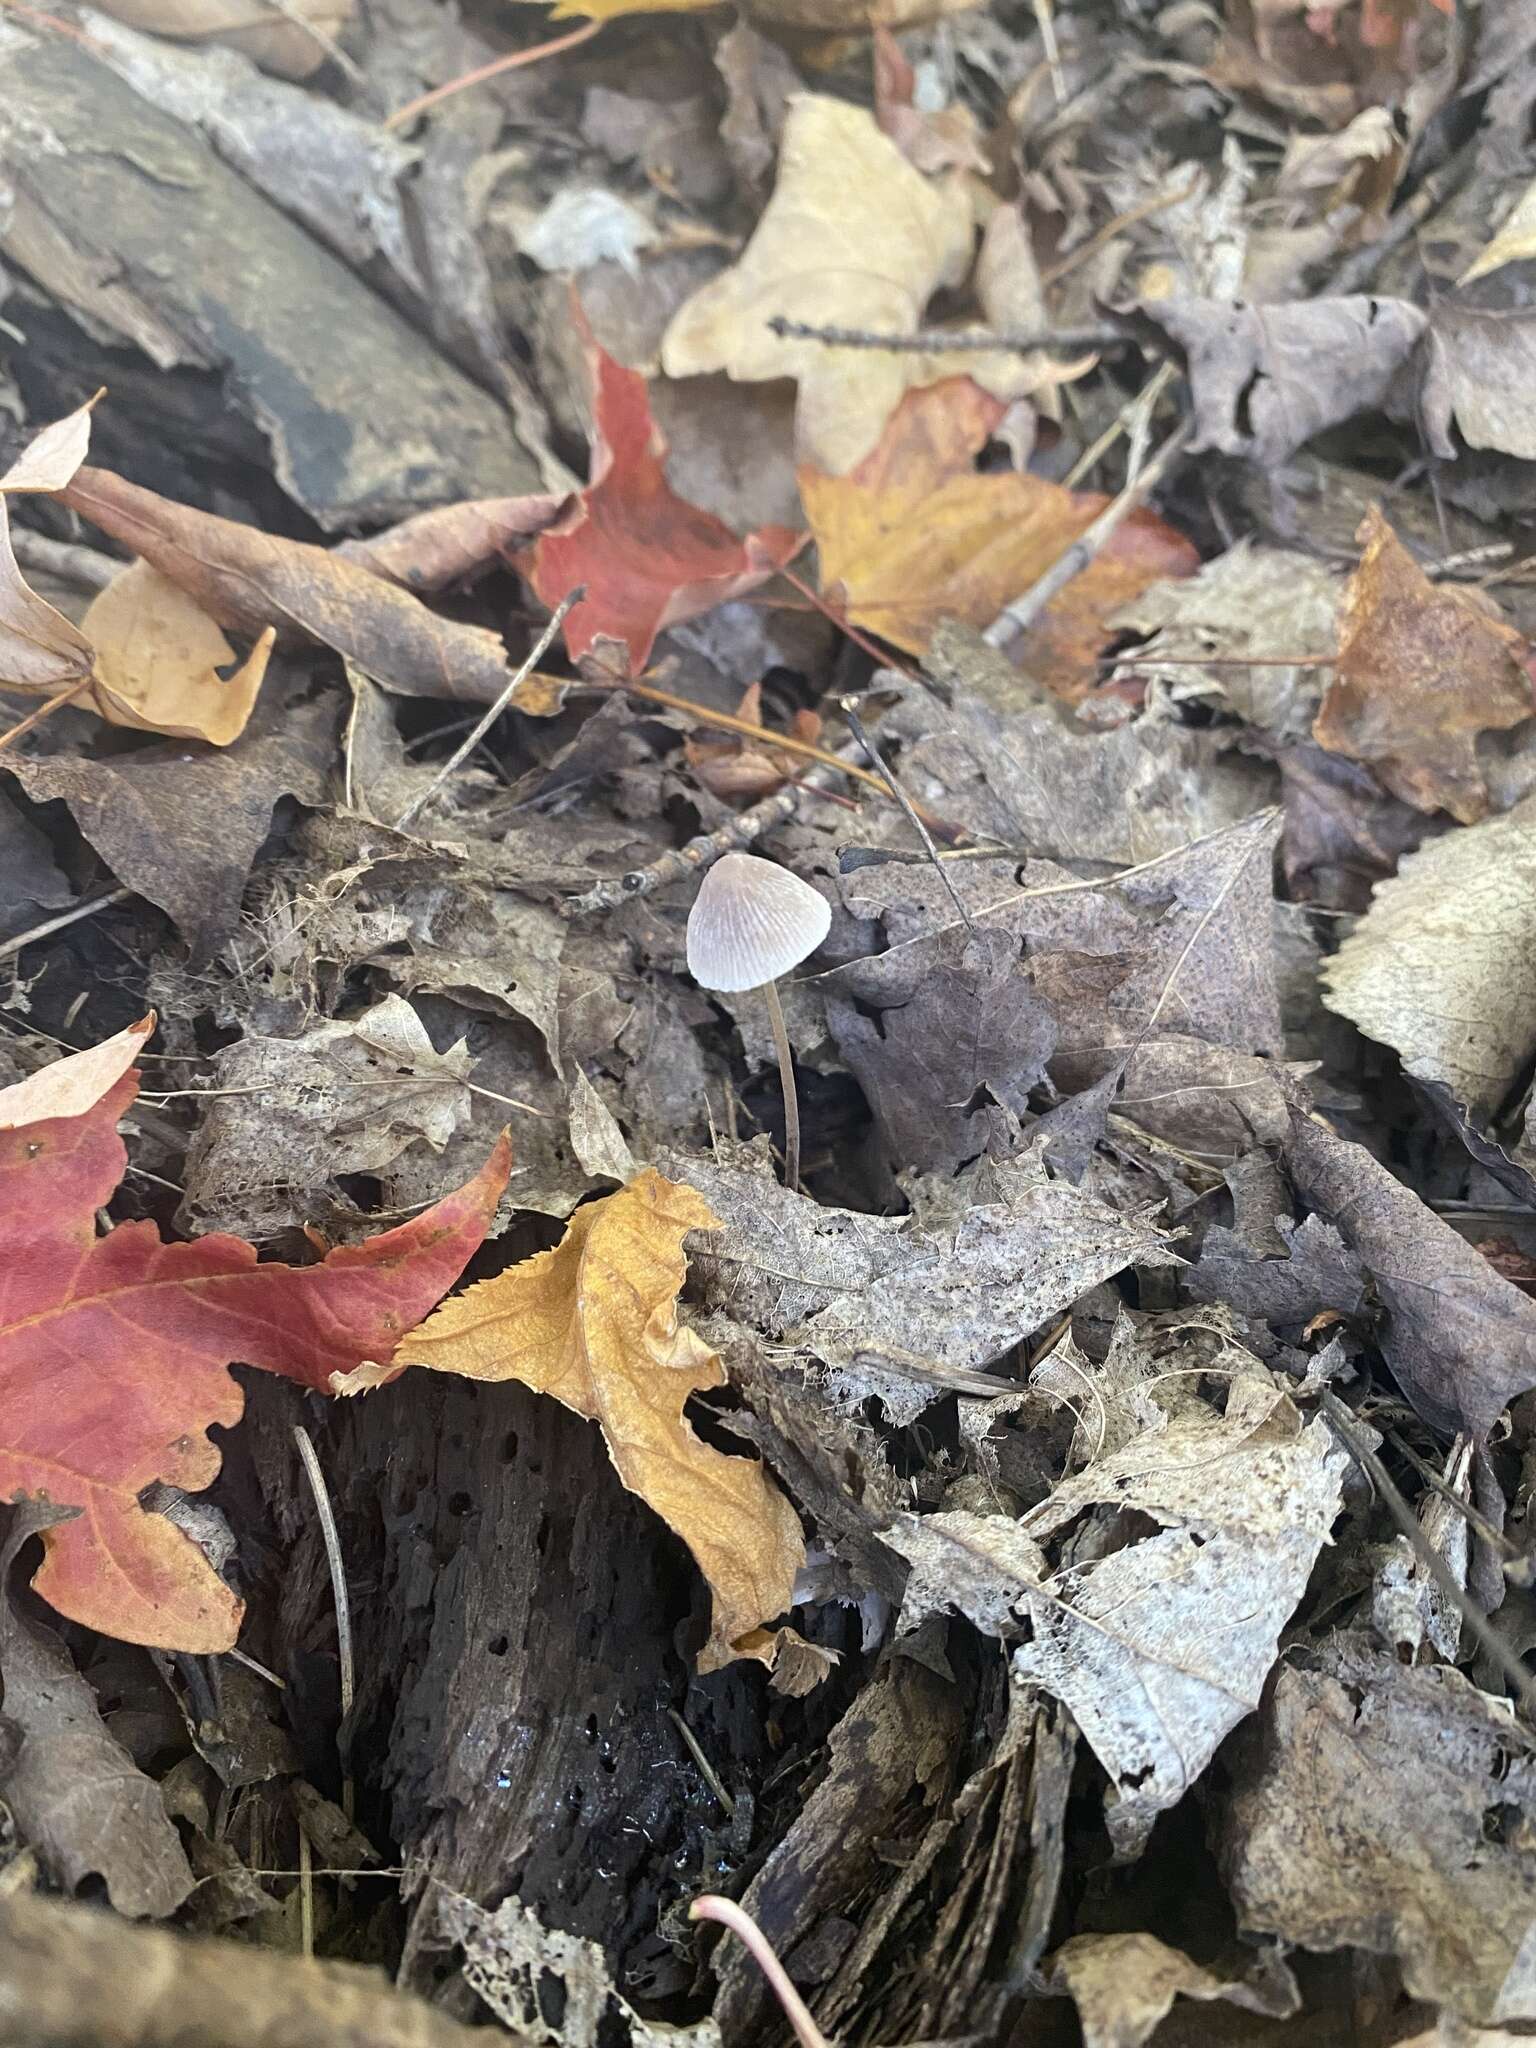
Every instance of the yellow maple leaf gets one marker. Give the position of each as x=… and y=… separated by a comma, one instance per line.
x=594, y=1323
x=915, y=534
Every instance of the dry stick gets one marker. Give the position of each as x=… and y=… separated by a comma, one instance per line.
x=931, y=340
x=1129, y=415
x=68, y=560
x=1021, y=614
x=728, y=722
x=514, y=61
x=482, y=726
x=35, y=718
x=1437, y=1483
x=333, y=1558
x=56, y=924
x=707, y=1770
x=856, y=726
x=1159, y=203
x=1342, y=1421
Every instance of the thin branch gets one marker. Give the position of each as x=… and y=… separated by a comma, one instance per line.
x=779, y=741
x=35, y=718
x=11, y=947
x=69, y=561
x=513, y=61
x=482, y=725
x=707, y=1770
x=934, y=340
x=914, y=817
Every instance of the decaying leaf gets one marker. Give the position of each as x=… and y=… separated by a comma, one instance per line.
x=114, y=1352
x=1388, y=1807
x=347, y=1097
x=1514, y=242
x=645, y=556
x=913, y=534
x=976, y=1565
x=1422, y=670
x=453, y=543
x=853, y=235
x=1442, y=967
x=249, y=580
x=1161, y=1647
x=1459, y=1337
x=40, y=650
x=1478, y=366
x=1124, y=1985
x=157, y=660
x=1265, y=379
x=73, y=1792
x=594, y=1323
x=293, y=40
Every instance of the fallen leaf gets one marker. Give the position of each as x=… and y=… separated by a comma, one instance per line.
x=1459, y=1338
x=53, y=454
x=853, y=235
x=74, y=1793
x=594, y=1323
x=40, y=650
x=157, y=660
x=1442, y=967
x=1477, y=366
x=1422, y=670
x=347, y=1097
x=1317, y=1273
x=914, y=534
x=114, y=1349
x=183, y=830
x=853, y=17
x=646, y=557
x=452, y=544
x=293, y=41
x=1159, y=1648
x=1387, y=1807
x=1265, y=379
x=964, y=1563
x=1515, y=241
x=946, y=139
x=69, y=1087
x=35, y=883
x=249, y=580
x=1124, y=1985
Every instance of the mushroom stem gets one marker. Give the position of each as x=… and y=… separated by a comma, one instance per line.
x=787, y=1080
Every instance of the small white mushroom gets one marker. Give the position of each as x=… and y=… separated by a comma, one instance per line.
x=751, y=922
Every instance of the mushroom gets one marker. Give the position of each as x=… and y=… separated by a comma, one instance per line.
x=751, y=922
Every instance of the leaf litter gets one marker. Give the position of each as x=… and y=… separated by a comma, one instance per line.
x=1072, y=1550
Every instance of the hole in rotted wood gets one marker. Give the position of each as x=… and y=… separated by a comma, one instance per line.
x=498, y=1646
x=460, y=1503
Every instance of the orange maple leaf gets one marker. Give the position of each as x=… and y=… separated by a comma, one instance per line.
x=646, y=556
x=114, y=1348
x=914, y=534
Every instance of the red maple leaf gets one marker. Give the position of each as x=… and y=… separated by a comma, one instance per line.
x=114, y=1348
x=647, y=557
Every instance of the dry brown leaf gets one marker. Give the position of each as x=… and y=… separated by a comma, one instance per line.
x=594, y=1323
x=852, y=235
x=40, y=650
x=914, y=535
x=249, y=580
x=292, y=40
x=157, y=660
x=1422, y=670
x=1479, y=371
x=453, y=543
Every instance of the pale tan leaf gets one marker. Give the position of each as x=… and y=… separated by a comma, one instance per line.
x=594, y=1323
x=1514, y=242
x=52, y=456
x=293, y=39
x=71, y=1086
x=157, y=660
x=40, y=651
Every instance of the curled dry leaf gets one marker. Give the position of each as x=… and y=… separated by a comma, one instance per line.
x=914, y=534
x=594, y=1323
x=157, y=660
x=1422, y=670
x=646, y=557
x=114, y=1352
x=1124, y=1985
x=853, y=235
x=249, y=580
x=293, y=40
x=453, y=543
x=1442, y=967
x=40, y=650
x=1515, y=241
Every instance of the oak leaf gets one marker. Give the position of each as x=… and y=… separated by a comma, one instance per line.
x=114, y=1348
x=1422, y=670
x=914, y=534
x=646, y=556
x=594, y=1323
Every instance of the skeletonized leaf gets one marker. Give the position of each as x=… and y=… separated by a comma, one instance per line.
x=594, y=1323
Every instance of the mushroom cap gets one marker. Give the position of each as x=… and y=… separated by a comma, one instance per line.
x=751, y=922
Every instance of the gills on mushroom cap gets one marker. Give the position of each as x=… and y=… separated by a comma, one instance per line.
x=751, y=922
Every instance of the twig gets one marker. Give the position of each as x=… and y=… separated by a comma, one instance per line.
x=70, y=561
x=482, y=725
x=56, y=924
x=728, y=722
x=856, y=726
x=1144, y=398
x=318, y=36
x=1479, y=1524
x=1489, y=1639
x=933, y=340
x=1045, y=21
x=706, y=1768
x=35, y=718
x=1158, y=203
x=846, y=626
x=513, y=61
x=1019, y=616
x=333, y=1558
